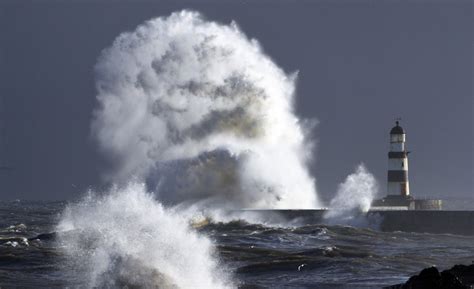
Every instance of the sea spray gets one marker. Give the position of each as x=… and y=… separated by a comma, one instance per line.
x=353, y=198
x=198, y=111
x=126, y=239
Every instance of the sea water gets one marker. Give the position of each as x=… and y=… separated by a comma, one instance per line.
x=246, y=255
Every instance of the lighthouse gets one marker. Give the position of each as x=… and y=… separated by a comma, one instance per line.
x=398, y=189
x=397, y=175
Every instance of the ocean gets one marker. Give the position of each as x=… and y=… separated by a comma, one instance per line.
x=253, y=255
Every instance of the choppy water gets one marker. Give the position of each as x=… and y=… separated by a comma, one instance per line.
x=311, y=256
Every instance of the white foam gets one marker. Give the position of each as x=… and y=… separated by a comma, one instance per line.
x=353, y=198
x=126, y=238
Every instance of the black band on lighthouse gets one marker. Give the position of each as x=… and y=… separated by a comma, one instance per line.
x=397, y=155
x=397, y=176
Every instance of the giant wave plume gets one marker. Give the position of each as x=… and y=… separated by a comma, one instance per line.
x=199, y=112
x=191, y=113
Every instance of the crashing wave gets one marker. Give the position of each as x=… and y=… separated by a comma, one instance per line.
x=126, y=237
x=197, y=110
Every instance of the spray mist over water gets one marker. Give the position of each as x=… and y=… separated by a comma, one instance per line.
x=354, y=197
x=198, y=111
x=126, y=239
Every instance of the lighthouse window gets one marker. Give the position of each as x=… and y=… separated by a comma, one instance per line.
x=403, y=164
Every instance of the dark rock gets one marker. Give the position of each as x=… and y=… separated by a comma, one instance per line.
x=465, y=273
x=451, y=281
x=429, y=278
x=458, y=277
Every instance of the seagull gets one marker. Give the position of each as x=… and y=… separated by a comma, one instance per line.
x=300, y=267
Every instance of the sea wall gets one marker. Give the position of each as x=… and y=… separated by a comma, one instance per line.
x=422, y=221
x=439, y=222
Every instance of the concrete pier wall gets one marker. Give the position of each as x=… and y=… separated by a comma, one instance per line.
x=422, y=221
x=439, y=222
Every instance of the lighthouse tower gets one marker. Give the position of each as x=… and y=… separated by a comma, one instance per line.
x=398, y=163
x=398, y=190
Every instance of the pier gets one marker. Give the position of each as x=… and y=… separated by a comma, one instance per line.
x=420, y=221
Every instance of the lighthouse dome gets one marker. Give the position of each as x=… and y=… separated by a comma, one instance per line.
x=397, y=129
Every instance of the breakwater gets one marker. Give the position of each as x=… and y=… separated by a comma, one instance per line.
x=421, y=221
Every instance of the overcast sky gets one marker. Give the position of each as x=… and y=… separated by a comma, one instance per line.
x=361, y=64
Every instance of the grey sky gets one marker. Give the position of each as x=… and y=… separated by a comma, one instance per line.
x=361, y=64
